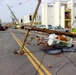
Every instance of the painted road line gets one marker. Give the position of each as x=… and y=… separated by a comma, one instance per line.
x=34, y=64
x=43, y=68
x=38, y=62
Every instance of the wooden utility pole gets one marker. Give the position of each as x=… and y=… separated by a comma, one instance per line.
x=25, y=39
x=52, y=31
x=13, y=15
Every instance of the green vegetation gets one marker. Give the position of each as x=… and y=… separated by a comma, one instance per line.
x=73, y=30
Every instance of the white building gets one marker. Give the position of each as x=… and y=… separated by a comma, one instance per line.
x=47, y=14
x=28, y=18
x=20, y=20
x=59, y=13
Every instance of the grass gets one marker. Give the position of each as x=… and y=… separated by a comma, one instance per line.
x=73, y=30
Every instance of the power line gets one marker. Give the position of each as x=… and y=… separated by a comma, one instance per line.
x=63, y=64
x=21, y=3
x=40, y=63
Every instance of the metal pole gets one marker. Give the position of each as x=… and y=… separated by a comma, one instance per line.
x=25, y=39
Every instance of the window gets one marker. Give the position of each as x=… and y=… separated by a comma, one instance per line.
x=30, y=17
x=21, y=20
x=39, y=18
x=50, y=5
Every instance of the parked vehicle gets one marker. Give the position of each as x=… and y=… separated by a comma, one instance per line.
x=16, y=26
x=41, y=26
x=50, y=27
x=2, y=28
x=58, y=28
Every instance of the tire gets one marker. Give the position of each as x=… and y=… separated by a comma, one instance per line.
x=67, y=31
x=54, y=51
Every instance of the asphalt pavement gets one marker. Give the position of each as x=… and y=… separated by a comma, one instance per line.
x=14, y=64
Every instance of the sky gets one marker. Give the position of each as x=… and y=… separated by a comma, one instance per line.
x=19, y=7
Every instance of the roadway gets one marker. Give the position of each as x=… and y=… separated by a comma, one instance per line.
x=28, y=64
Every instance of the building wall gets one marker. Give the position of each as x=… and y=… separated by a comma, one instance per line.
x=50, y=15
x=70, y=6
x=44, y=14
x=72, y=11
x=28, y=18
x=57, y=13
x=74, y=24
x=47, y=14
x=62, y=23
x=20, y=20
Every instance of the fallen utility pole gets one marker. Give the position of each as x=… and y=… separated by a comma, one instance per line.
x=25, y=39
x=51, y=31
x=13, y=15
